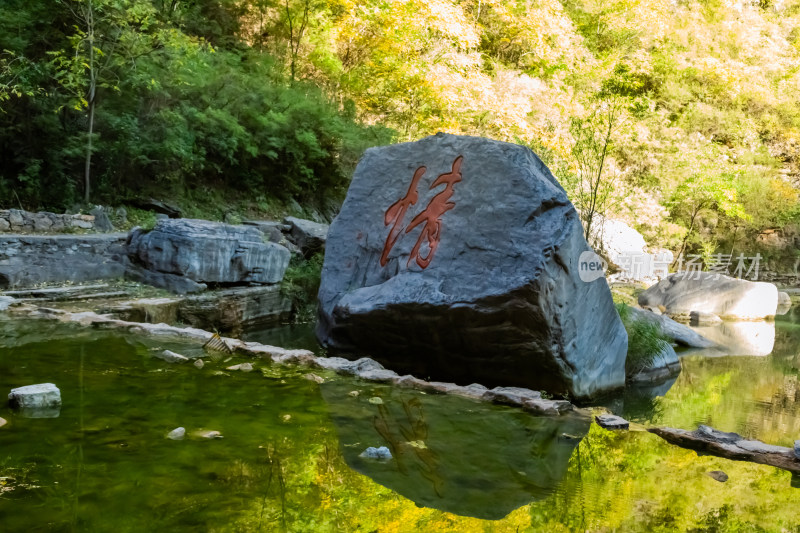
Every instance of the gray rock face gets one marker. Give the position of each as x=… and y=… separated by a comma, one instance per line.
x=727, y=297
x=307, y=235
x=27, y=260
x=209, y=252
x=101, y=220
x=171, y=282
x=42, y=400
x=457, y=258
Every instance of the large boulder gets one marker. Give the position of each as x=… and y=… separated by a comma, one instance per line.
x=705, y=292
x=308, y=235
x=458, y=258
x=209, y=252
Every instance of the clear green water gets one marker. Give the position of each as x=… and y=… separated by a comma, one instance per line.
x=289, y=459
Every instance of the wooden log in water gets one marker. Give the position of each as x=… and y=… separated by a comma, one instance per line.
x=730, y=446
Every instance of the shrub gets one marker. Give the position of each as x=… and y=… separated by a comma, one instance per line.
x=301, y=284
x=645, y=341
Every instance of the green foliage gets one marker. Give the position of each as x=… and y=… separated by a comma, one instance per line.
x=645, y=341
x=301, y=284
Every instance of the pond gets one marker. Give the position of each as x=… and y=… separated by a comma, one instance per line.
x=289, y=459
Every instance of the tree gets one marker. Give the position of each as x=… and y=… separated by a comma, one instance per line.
x=593, y=185
x=108, y=32
x=706, y=190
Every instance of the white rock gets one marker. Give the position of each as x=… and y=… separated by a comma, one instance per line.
x=726, y=297
x=199, y=363
x=5, y=302
x=242, y=367
x=39, y=396
x=177, y=433
x=382, y=453
x=171, y=357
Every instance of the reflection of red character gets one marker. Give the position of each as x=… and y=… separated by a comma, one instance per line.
x=431, y=216
x=397, y=212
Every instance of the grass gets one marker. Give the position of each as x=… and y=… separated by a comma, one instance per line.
x=645, y=341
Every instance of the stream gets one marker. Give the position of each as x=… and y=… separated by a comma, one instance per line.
x=290, y=454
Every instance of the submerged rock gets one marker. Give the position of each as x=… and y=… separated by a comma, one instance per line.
x=241, y=367
x=718, y=475
x=705, y=292
x=206, y=434
x=612, y=422
x=3, y=422
x=171, y=357
x=382, y=453
x=459, y=258
x=199, y=363
x=209, y=252
x=177, y=433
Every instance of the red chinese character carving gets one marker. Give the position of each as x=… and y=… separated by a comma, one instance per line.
x=431, y=216
x=397, y=212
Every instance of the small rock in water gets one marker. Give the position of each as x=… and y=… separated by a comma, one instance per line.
x=205, y=434
x=797, y=449
x=381, y=453
x=3, y=422
x=719, y=475
x=199, y=363
x=243, y=367
x=353, y=393
x=375, y=400
x=315, y=378
x=177, y=434
x=39, y=396
x=612, y=422
x=172, y=357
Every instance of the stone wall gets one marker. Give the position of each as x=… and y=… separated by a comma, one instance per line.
x=18, y=221
x=26, y=260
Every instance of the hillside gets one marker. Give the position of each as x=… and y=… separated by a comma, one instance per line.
x=679, y=117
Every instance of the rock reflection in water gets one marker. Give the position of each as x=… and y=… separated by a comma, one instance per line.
x=740, y=338
x=453, y=454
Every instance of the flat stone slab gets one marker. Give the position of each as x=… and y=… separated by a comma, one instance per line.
x=39, y=396
x=730, y=446
x=612, y=422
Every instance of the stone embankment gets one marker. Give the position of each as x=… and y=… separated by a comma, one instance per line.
x=18, y=221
